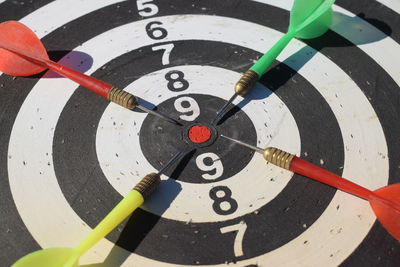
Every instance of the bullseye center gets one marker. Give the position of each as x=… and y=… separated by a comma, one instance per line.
x=199, y=134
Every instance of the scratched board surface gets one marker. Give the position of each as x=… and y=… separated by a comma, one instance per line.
x=68, y=156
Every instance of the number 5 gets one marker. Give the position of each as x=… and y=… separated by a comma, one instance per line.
x=240, y=228
x=146, y=9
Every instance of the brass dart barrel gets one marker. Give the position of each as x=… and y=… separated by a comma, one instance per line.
x=148, y=184
x=278, y=157
x=122, y=98
x=273, y=155
x=246, y=82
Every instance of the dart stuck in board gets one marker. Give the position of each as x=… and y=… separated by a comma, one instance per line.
x=308, y=19
x=385, y=202
x=69, y=257
x=23, y=54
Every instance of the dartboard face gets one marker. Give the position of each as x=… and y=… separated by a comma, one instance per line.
x=69, y=156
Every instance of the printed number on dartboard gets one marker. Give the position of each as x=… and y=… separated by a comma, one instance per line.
x=209, y=163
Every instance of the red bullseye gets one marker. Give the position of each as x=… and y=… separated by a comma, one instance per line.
x=199, y=134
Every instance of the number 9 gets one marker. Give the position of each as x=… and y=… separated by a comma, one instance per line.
x=187, y=104
x=216, y=165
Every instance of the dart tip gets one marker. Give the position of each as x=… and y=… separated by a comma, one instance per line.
x=171, y=120
x=259, y=150
x=155, y=113
x=222, y=111
x=175, y=122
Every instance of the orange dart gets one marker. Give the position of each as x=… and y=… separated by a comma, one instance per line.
x=23, y=54
x=385, y=202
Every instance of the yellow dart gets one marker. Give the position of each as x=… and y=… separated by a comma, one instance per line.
x=69, y=257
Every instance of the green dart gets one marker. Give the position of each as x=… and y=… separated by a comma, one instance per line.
x=308, y=19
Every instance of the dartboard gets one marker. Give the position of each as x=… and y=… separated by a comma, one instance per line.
x=68, y=156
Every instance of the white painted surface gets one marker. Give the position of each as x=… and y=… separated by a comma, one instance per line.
x=392, y=4
x=365, y=159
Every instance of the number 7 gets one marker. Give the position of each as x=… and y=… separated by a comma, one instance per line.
x=167, y=51
x=240, y=228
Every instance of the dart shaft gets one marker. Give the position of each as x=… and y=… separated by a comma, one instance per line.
x=314, y=172
x=124, y=208
x=99, y=87
x=309, y=170
x=261, y=66
x=250, y=77
x=120, y=212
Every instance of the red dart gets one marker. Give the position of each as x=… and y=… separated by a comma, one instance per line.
x=23, y=54
x=385, y=202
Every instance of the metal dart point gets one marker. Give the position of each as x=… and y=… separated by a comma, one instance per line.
x=259, y=150
x=222, y=111
x=155, y=113
x=150, y=182
x=174, y=159
x=242, y=87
